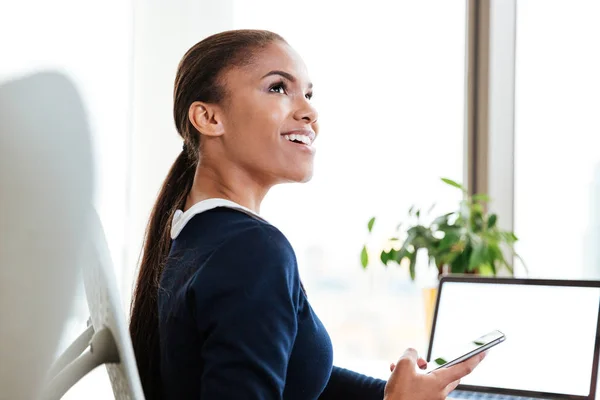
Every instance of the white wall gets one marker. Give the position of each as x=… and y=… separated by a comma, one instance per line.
x=92, y=43
x=557, y=137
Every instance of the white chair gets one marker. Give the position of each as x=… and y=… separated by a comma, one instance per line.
x=50, y=235
x=46, y=190
x=107, y=335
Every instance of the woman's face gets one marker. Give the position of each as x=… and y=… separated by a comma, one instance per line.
x=268, y=120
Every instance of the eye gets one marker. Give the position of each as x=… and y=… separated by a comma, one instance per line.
x=309, y=95
x=279, y=87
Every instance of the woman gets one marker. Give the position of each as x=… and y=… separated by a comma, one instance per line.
x=219, y=310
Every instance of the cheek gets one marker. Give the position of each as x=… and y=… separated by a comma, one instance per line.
x=261, y=113
x=274, y=112
x=267, y=122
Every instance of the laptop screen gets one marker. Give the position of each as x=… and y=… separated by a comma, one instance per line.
x=550, y=330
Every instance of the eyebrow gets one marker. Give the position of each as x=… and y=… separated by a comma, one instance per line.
x=287, y=76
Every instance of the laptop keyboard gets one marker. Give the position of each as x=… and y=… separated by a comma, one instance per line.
x=461, y=394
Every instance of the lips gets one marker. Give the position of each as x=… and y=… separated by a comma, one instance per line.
x=308, y=133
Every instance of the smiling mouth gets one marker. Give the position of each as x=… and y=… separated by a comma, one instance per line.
x=299, y=139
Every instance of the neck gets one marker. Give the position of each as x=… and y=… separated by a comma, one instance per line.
x=231, y=183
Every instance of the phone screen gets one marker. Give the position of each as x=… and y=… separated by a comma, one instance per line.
x=466, y=351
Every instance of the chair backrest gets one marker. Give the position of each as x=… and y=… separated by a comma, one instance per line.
x=46, y=192
x=105, y=309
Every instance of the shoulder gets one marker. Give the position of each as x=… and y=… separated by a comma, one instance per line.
x=255, y=254
x=266, y=235
x=261, y=244
x=255, y=266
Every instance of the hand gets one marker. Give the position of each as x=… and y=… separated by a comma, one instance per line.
x=406, y=383
x=421, y=363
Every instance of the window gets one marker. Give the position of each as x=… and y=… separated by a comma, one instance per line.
x=389, y=87
x=557, y=138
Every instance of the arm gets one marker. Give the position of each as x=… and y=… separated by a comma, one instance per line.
x=350, y=385
x=246, y=301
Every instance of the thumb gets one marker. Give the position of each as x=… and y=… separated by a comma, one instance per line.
x=409, y=358
x=410, y=354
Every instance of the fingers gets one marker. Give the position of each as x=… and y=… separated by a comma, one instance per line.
x=459, y=371
x=450, y=387
x=407, y=361
x=421, y=363
x=410, y=354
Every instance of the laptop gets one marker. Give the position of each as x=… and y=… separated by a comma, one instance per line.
x=552, y=335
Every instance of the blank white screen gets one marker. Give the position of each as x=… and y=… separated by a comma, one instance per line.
x=550, y=334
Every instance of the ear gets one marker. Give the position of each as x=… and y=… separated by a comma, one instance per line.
x=206, y=118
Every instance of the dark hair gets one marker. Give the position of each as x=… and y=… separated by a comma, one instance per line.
x=198, y=79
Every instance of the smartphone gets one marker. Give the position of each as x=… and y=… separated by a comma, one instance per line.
x=466, y=351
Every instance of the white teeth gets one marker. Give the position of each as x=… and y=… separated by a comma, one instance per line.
x=301, y=138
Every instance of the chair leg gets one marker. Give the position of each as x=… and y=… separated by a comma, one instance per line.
x=103, y=350
x=72, y=352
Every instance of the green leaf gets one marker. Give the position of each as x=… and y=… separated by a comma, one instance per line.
x=455, y=184
x=440, y=361
x=411, y=268
x=370, y=225
x=421, y=237
x=364, y=257
x=479, y=255
x=393, y=256
x=497, y=256
x=492, y=221
x=509, y=237
x=494, y=251
x=442, y=219
x=477, y=209
x=450, y=239
x=461, y=262
x=384, y=257
x=481, y=197
x=486, y=270
x=400, y=254
x=418, y=213
x=450, y=259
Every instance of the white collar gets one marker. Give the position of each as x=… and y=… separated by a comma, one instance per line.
x=180, y=218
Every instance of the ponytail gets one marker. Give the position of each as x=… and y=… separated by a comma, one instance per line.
x=144, y=310
x=197, y=79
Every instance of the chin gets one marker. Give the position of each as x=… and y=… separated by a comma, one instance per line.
x=299, y=176
x=306, y=178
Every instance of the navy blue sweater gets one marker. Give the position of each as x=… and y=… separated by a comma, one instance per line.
x=235, y=323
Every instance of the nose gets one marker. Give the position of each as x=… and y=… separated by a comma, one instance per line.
x=306, y=112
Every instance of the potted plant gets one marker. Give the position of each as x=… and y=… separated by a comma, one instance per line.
x=465, y=241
